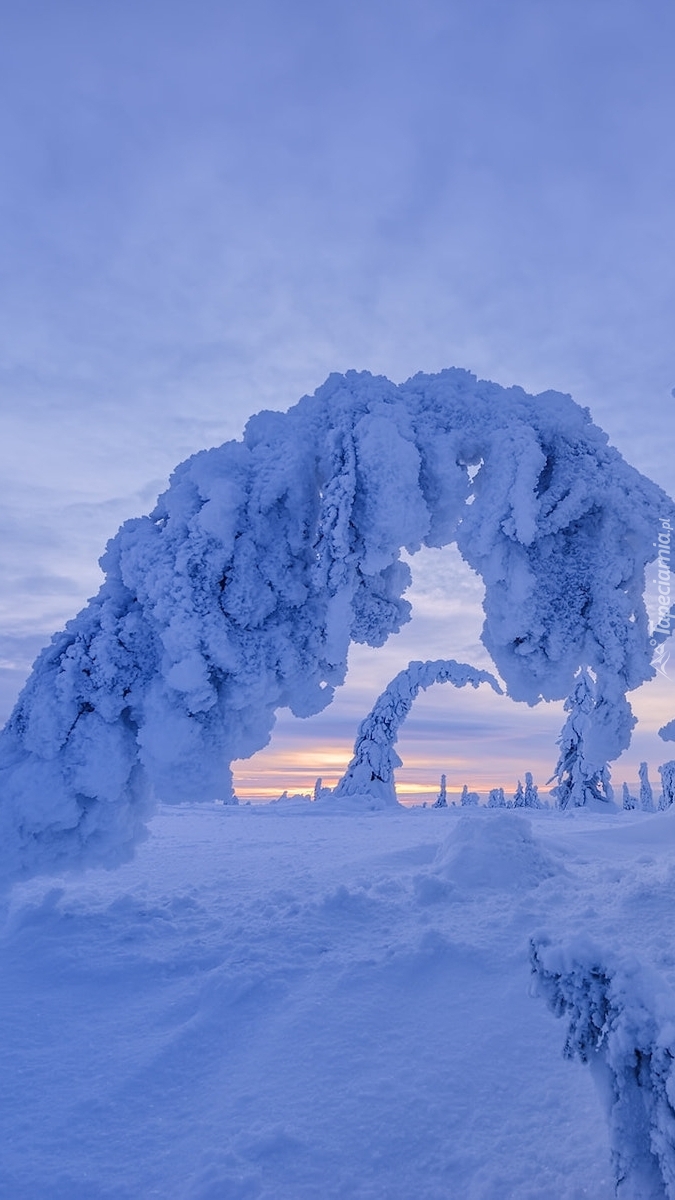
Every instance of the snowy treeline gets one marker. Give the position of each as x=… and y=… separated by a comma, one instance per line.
x=241, y=592
x=622, y=1023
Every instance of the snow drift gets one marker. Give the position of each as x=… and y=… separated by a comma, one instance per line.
x=265, y=557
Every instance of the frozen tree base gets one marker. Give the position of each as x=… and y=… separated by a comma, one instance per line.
x=621, y=1021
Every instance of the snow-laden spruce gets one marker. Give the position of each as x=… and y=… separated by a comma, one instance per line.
x=266, y=557
x=582, y=780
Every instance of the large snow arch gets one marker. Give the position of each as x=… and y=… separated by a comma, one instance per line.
x=265, y=557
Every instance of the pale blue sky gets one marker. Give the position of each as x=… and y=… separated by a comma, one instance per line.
x=207, y=207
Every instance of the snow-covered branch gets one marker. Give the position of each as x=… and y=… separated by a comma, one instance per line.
x=621, y=1021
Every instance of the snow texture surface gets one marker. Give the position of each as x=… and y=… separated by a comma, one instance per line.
x=266, y=557
x=283, y=1002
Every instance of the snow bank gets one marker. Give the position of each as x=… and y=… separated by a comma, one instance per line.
x=622, y=1022
x=265, y=558
x=495, y=850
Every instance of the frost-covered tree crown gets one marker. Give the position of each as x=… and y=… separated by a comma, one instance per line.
x=266, y=557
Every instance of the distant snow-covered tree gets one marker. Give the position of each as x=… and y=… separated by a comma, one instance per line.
x=441, y=800
x=583, y=780
x=667, y=773
x=496, y=798
x=528, y=798
x=469, y=799
x=320, y=792
x=646, y=793
x=371, y=770
x=531, y=792
x=629, y=802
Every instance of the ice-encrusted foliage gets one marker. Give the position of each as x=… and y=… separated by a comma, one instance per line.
x=621, y=1021
x=371, y=770
x=265, y=557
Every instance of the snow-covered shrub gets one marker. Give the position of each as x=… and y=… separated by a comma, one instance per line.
x=667, y=773
x=621, y=1021
x=496, y=798
x=646, y=793
x=266, y=557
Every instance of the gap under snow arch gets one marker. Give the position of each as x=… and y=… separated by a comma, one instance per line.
x=266, y=557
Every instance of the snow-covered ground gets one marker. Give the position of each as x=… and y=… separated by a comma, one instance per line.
x=280, y=1001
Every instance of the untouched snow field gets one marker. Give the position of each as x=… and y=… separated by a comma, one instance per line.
x=284, y=1002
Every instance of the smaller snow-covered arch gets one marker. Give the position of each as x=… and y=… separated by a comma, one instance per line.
x=371, y=770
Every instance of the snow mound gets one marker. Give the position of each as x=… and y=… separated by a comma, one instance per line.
x=358, y=801
x=493, y=851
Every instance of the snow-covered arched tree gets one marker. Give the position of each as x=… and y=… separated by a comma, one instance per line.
x=241, y=592
x=371, y=770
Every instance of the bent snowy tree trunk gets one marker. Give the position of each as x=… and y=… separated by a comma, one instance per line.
x=371, y=770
